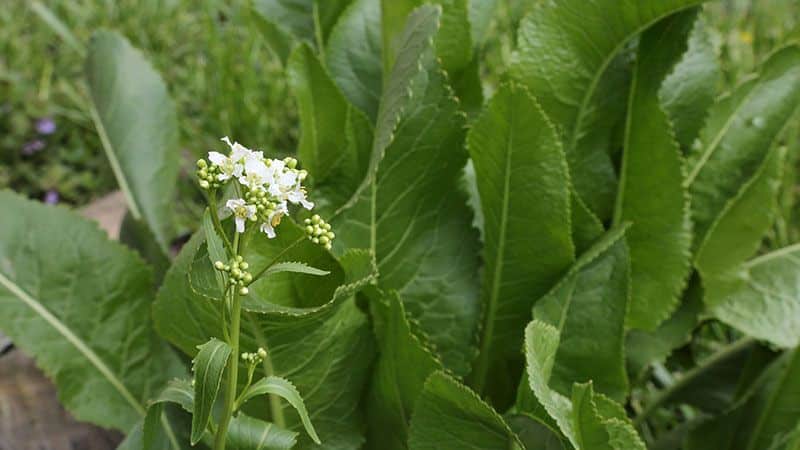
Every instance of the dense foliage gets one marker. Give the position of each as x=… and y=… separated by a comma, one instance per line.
x=594, y=256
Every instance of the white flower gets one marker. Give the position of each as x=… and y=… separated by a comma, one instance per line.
x=241, y=212
x=298, y=195
x=274, y=220
x=238, y=151
x=227, y=166
x=256, y=173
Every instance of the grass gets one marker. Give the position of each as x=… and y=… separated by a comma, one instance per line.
x=224, y=79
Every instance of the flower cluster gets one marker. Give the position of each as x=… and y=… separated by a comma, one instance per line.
x=254, y=358
x=237, y=273
x=268, y=185
x=319, y=231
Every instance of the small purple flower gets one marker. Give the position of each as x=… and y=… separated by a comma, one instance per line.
x=45, y=126
x=51, y=197
x=32, y=147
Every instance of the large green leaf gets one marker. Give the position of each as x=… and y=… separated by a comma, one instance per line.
x=325, y=351
x=80, y=305
x=335, y=136
x=588, y=308
x=736, y=234
x=248, y=433
x=208, y=367
x=562, y=58
x=590, y=421
x=448, y=412
x=761, y=298
x=411, y=209
x=690, y=89
x=651, y=194
x=136, y=121
x=517, y=157
x=766, y=419
x=302, y=20
x=736, y=140
x=404, y=363
x=353, y=55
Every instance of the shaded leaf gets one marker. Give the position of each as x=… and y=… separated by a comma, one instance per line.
x=403, y=365
x=248, y=433
x=567, y=81
x=286, y=390
x=137, y=124
x=689, y=90
x=448, y=411
x=588, y=308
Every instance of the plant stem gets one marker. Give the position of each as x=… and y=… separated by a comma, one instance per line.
x=212, y=209
x=233, y=372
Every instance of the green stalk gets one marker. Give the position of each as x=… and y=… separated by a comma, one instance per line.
x=233, y=373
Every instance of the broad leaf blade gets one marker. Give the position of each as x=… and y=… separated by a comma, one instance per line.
x=761, y=298
x=588, y=308
x=353, y=55
x=566, y=81
x=411, y=208
x=69, y=297
x=517, y=157
x=335, y=137
x=448, y=411
x=651, y=194
x=405, y=362
x=209, y=366
x=136, y=120
x=689, y=90
x=740, y=131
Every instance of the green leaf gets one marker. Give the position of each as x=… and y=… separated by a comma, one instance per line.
x=286, y=390
x=335, y=137
x=411, y=208
x=535, y=434
x=208, y=367
x=651, y=194
x=517, y=157
x=325, y=350
x=153, y=437
x=353, y=55
x=448, y=411
x=643, y=348
x=567, y=83
x=248, y=433
x=137, y=236
x=590, y=421
x=767, y=417
x=481, y=13
x=137, y=124
x=740, y=131
x=737, y=232
x=588, y=308
x=586, y=227
x=716, y=382
x=689, y=90
x=215, y=248
x=297, y=19
x=403, y=365
x=761, y=297
x=295, y=267
x=72, y=299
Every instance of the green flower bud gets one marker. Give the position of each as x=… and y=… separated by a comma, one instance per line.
x=244, y=291
x=262, y=353
x=219, y=265
x=202, y=164
x=204, y=184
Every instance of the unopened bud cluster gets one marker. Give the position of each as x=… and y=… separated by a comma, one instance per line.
x=207, y=175
x=319, y=231
x=267, y=208
x=237, y=273
x=254, y=358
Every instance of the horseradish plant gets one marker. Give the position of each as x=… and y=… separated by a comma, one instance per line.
x=579, y=261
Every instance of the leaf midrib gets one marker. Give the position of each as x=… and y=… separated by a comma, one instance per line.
x=73, y=339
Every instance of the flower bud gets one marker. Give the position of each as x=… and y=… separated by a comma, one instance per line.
x=219, y=265
x=262, y=353
x=204, y=184
x=202, y=164
x=244, y=291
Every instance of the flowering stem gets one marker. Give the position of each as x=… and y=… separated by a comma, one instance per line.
x=212, y=206
x=233, y=372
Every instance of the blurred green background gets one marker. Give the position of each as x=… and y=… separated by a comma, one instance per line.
x=224, y=78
